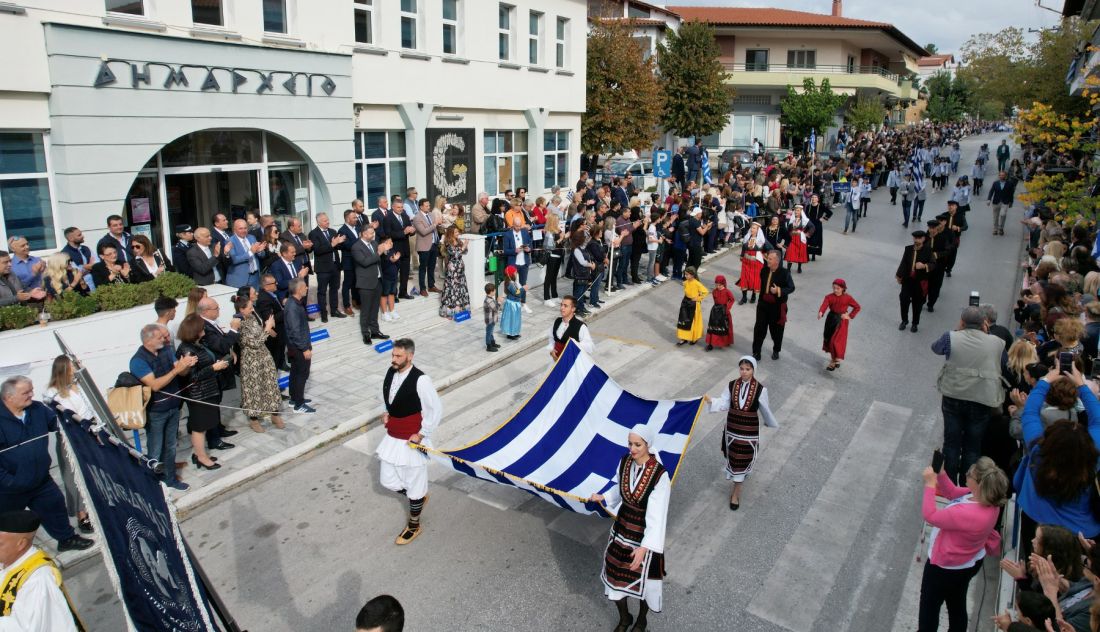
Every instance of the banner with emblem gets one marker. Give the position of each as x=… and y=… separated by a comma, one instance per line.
x=143, y=548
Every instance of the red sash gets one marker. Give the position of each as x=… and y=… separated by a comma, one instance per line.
x=403, y=427
x=559, y=347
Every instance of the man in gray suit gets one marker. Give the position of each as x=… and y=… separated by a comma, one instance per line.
x=368, y=282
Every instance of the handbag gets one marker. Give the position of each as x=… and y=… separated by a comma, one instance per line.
x=127, y=404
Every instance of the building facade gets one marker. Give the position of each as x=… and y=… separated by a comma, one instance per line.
x=169, y=111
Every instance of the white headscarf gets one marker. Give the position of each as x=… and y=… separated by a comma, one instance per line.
x=646, y=433
x=751, y=360
x=799, y=213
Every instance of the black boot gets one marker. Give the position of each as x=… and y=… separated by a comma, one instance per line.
x=744, y=298
x=753, y=299
x=800, y=268
x=640, y=623
x=624, y=616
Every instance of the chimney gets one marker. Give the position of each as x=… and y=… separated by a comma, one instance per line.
x=836, y=8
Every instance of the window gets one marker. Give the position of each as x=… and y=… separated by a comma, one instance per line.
x=275, y=16
x=364, y=21
x=450, y=27
x=534, y=37
x=636, y=11
x=380, y=165
x=645, y=45
x=560, y=35
x=207, y=12
x=555, y=145
x=409, y=19
x=25, y=190
x=756, y=59
x=851, y=63
x=129, y=7
x=801, y=59
x=505, y=161
x=504, y=38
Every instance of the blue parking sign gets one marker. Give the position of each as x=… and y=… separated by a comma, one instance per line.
x=662, y=163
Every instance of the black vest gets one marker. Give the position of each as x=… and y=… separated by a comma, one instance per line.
x=405, y=401
x=572, y=330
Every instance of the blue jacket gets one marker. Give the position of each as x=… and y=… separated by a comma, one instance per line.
x=27, y=467
x=282, y=276
x=237, y=274
x=1076, y=515
x=297, y=326
x=511, y=247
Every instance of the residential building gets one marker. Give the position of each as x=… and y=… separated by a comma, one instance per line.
x=766, y=50
x=169, y=112
x=650, y=22
x=935, y=64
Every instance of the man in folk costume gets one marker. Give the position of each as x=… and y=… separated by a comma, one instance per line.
x=746, y=401
x=32, y=596
x=771, y=312
x=912, y=276
x=634, y=561
x=752, y=260
x=938, y=242
x=568, y=327
x=800, y=228
x=413, y=412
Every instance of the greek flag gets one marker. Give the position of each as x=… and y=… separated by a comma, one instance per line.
x=813, y=141
x=566, y=441
x=916, y=169
x=705, y=166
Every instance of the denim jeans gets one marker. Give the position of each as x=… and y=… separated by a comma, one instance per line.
x=578, y=292
x=594, y=293
x=964, y=425
x=160, y=440
x=906, y=205
x=489, y=339
x=651, y=259
x=622, y=265
x=852, y=215
x=918, y=208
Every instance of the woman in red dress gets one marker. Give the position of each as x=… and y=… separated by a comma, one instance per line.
x=800, y=228
x=840, y=308
x=720, y=325
x=752, y=260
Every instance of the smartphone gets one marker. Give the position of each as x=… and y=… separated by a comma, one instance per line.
x=1095, y=373
x=937, y=461
x=1065, y=362
x=975, y=299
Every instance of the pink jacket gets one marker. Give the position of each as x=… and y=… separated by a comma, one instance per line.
x=965, y=529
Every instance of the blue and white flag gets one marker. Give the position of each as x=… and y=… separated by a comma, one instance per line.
x=705, y=165
x=566, y=442
x=813, y=141
x=916, y=169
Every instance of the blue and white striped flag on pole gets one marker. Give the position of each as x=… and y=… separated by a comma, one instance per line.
x=705, y=166
x=565, y=443
x=813, y=141
x=916, y=169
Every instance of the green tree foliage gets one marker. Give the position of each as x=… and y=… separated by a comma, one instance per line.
x=932, y=49
x=813, y=108
x=948, y=98
x=867, y=114
x=697, y=99
x=624, y=98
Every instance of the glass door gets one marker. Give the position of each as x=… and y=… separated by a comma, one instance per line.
x=288, y=188
x=194, y=198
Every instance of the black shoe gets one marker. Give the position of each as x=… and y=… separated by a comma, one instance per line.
x=366, y=341
x=379, y=335
x=931, y=308
x=226, y=432
x=710, y=347
x=734, y=506
x=625, y=625
x=753, y=299
x=512, y=337
x=324, y=318
x=775, y=355
x=492, y=349
x=903, y=325
x=339, y=314
x=913, y=328
x=85, y=525
x=285, y=367
x=221, y=445
x=756, y=356
x=202, y=466
x=75, y=543
x=744, y=299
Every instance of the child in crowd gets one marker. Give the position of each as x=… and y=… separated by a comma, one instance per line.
x=492, y=309
x=389, y=279
x=511, y=318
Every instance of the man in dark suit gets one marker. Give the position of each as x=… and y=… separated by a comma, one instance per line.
x=220, y=234
x=302, y=245
x=268, y=304
x=1000, y=199
x=350, y=232
x=368, y=281
x=185, y=238
x=205, y=258
x=119, y=239
x=326, y=263
x=397, y=226
x=286, y=268
x=376, y=218
x=221, y=342
x=517, y=248
x=679, y=169
x=776, y=285
x=618, y=193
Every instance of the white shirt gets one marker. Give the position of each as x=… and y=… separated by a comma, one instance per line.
x=521, y=256
x=763, y=408
x=396, y=451
x=40, y=605
x=656, y=513
x=253, y=266
x=206, y=251
x=584, y=338
x=74, y=401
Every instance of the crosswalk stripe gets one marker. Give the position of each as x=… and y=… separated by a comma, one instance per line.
x=807, y=569
x=706, y=522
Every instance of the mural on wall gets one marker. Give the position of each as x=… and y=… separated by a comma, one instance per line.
x=451, y=163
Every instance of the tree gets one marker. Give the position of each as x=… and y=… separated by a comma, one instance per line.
x=624, y=99
x=932, y=49
x=697, y=98
x=996, y=64
x=1067, y=193
x=814, y=108
x=866, y=115
x=948, y=98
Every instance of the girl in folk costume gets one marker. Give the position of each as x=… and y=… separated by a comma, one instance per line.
x=799, y=228
x=634, y=561
x=511, y=318
x=720, y=325
x=689, y=325
x=752, y=260
x=746, y=401
x=839, y=308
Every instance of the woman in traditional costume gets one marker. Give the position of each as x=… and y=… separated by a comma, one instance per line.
x=720, y=325
x=689, y=324
x=752, y=260
x=634, y=561
x=839, y=308
x=799, y=228
x=746, y=401
x=818, y=213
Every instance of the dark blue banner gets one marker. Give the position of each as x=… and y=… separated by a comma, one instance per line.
x=143, y=546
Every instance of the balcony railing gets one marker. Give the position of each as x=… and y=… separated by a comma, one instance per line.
x=815, y=69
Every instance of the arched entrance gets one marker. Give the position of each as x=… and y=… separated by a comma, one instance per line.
x=230, y=171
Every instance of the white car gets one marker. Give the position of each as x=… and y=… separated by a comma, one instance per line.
x=641, y=170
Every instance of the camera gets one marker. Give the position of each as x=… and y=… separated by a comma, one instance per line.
x=975, y=299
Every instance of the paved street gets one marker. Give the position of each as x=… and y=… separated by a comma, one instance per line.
x=828, y=525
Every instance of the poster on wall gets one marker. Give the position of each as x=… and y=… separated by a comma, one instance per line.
x=451, y=164
x=143, y=229
x=139, y=210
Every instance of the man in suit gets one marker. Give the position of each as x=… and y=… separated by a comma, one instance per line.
x=368, y=281
x=618, y=193
x=204, y=258
x=241, y=250
x=268, y=304
x=286, y=268
x=219, y=235
x=427, y=241
x=185, y=238
x=221, y=341
x=376, y=218
x=694, y=155
x=776, y=285
x=326, y=263
x=397, y=226
x=117, y=238
x=517, y=248
x=679, y=169
x=350, y=232
x=302, y=246
x=360, y=210
x=1000, y=198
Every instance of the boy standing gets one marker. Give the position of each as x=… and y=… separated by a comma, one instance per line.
x=492, y=309
x=389, y=279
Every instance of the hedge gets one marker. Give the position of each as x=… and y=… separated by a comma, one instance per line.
x=108, y=298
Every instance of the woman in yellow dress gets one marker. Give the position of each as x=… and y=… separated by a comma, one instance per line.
x=689, y=326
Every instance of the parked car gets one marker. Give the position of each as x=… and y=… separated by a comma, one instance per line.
x=776, y=154
x=737, y=157
x=641, y=170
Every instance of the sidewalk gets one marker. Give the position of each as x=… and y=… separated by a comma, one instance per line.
x=345, y=385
